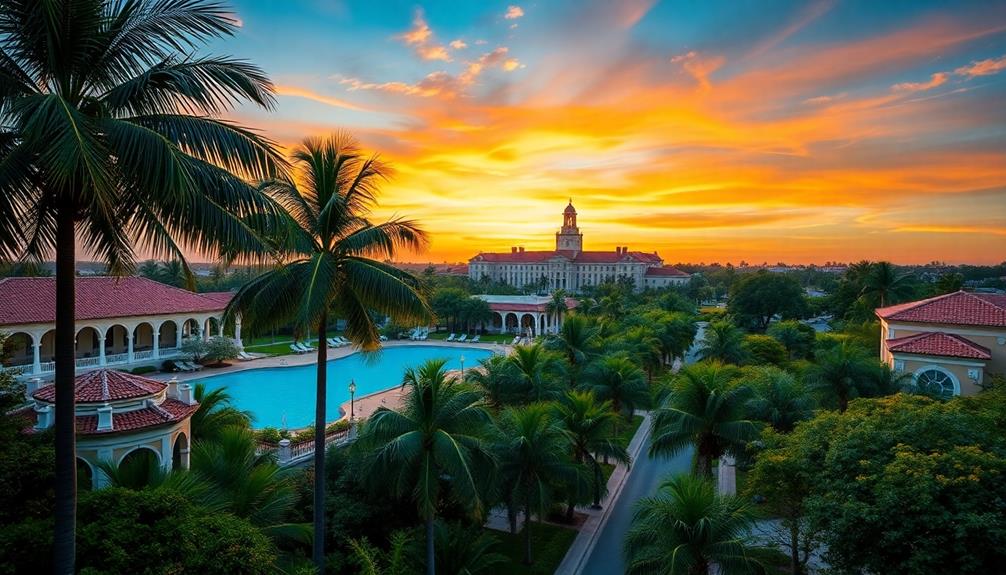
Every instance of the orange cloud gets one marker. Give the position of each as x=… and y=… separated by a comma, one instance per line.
x=299, y=92
x=420, y=38
x=982, y=67
x=935, y=80
x=513, y=12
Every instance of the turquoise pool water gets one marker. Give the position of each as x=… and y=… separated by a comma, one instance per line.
x=279, y=396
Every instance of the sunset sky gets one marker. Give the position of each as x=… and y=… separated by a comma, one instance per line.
x=756, y=130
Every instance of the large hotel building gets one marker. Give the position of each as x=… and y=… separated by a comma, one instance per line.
x=570, y=267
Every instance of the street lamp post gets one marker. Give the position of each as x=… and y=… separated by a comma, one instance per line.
x=352, y=400
x=462, y=367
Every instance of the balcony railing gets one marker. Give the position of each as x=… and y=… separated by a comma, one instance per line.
x=116, y=358
x=142, y=355
x=88, y=362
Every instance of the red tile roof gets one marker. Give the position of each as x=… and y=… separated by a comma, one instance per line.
x=105, y=385
x=958, y=308
x=595, y=257
x=170, y=411
x=503, y=307
x=936, y=343
x=666, y=271
x=33, y=300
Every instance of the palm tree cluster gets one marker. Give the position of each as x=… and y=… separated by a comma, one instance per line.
x=490, y=440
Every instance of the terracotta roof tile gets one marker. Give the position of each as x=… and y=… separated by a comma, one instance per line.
x=170, y=411
x=588, y=257
x=941, y=344
x=105, y=385
x=33, y=300
x=666, y=271
x=958, y=308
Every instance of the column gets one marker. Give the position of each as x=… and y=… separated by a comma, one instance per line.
x=178, y=334
x=220, y=327
x=237, y=332
x=101, y=348
x=184, y=452
x=166, y=453
x=129, y=346
x=156, y=353
x=36, y=361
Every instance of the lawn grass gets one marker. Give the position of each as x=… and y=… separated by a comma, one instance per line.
x=279, y=348
x=486, y=337
x=549, y=546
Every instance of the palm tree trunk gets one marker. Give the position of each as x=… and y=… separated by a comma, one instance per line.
x=431, y=556
x=319, y=449
x=511, y=512
x=794, y=552
x=597, y=484
x=64, y=533
x=704, y=463
x=527, y=528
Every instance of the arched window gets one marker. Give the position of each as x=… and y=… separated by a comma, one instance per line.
x=937, y=382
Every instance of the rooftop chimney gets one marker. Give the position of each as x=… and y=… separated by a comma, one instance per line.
x=105, y=418
x=31, y=387
x=173, y=388
x=521, y=249
x=185, y=394
x=44, y=415
x=513, y=250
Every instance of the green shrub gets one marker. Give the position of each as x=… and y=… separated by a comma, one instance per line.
x=341, y=425
x=143, y=369
x=160, y=531
x=271, y=435
x=764, y=350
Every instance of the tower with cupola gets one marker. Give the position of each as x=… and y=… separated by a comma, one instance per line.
x=569, y=237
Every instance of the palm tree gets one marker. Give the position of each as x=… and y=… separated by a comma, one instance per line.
x=706, y=410
x=687, y=528
x=499, y=381
x=437, y=434
x=538, y=369
x=575, y=340
x=215, y=413
x=839, y=374
x=332, y=265
x=111, y=136
x=590, y=426
x=886, y=284
x=617, y=379
x=723, y=341
x=464, y=551
x=533, y=455
x=250, y=485
x=779, y=399
x=556, y=306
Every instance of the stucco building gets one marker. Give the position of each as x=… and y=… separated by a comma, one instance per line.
x=120, y=322
x=950, y=343
x=572, y=268
x=120, y=416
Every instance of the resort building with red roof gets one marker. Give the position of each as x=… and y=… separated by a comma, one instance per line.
x=570, y=267
x=120, y=322
x=119, y=417
x=949, y=343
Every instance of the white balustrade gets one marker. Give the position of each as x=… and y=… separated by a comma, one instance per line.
x=48, y=366
x=88, y=362
x=18, y=369
x=141, y=355
x=115, y=358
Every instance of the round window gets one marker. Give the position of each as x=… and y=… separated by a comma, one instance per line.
x=936, y=382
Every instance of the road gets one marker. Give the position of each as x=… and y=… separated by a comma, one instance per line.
x=643, y=480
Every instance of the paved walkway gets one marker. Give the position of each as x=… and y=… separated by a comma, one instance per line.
x=365, y=406
x=586, y=539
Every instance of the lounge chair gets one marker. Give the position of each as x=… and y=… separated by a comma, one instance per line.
x=383, y=338
x=193, y=366
x=332, y=342
x=450, y=338
x=463, y=338
x=306, y=347
x=296, y=348
x=515, y=340
x=343, y=340
x=475, y=339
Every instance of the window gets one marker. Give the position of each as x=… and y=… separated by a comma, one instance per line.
x=936, y=381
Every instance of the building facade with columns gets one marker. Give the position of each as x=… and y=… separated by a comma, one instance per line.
x=523, y=314
x=120, y=417
x=570, y=267
x=120, y=322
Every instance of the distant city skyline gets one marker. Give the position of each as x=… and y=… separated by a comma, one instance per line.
x=760, y=131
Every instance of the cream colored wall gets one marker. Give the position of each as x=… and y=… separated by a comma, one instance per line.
x=985, y=337
x=968, y=387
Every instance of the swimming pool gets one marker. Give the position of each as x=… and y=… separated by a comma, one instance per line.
x=284, y=396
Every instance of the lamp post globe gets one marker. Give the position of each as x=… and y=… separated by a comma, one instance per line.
x=462, y=360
